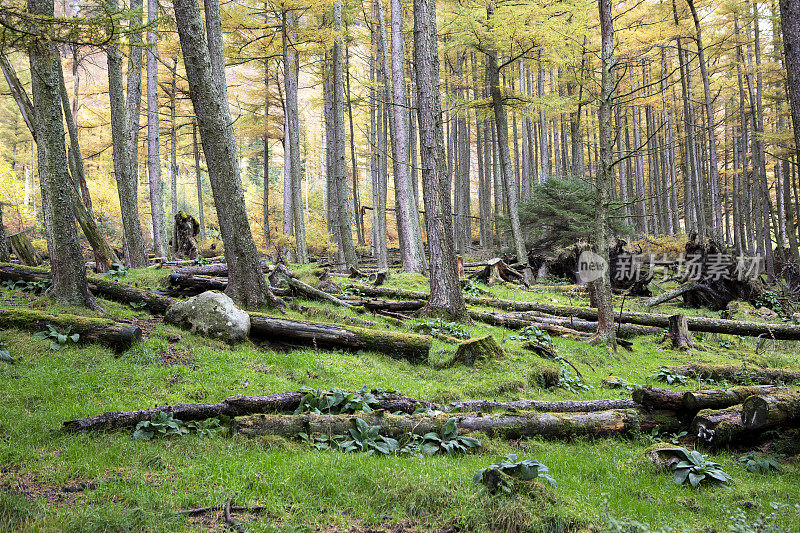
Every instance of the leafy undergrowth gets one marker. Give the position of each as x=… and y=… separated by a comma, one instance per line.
x=125, y=484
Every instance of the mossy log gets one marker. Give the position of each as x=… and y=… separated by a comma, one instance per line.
x=544, y=406
x=719, y=427
x=767, y=411
x=721, y=398
x=656, y=398
x=115, y=335
x=238, y=405
x=216, y=269
x=377, y=306
x=24, y=250
x=314, y=293
x=414, y=348
x=557, y=325
x=695, y=323
x=506, y=425
x=99, y=285
x=738, y=374
x=192, y=285
x=478, y=350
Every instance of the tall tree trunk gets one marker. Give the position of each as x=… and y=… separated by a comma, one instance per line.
x=445, y=294
x=412, y=252
x=713, y=176
x=356, y=199
x=605, y=177
x=246, y=285
x=198, y=179
x=790, y=29
x=342, y=192
x=126, y=180
x=509, y=184
x=153, y=157
x=265, y=194
x=544, y=146
x=173, y=155
x=66, y=262
x=290, y=76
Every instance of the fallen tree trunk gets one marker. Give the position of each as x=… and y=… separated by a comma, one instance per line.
x=216, y=269
x=392, y=305
x=656, y=398
x=409, y=346
x=24, y=250
x=238, y=405
x=99, y=285
x=556, y=406
x=191, y=285
x=670, y=295
x=315, y=294
x=556, y=325
x=719, y=427
x=507, y=425
x=766, y=411
x=734, y=373
x=721, y=398
x=701, y=324
x=115, y=335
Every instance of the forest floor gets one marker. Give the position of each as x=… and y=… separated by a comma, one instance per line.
x=51, y=480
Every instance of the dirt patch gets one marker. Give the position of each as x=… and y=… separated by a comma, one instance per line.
x=175, y=355
x=34, y=487
x=147, y=325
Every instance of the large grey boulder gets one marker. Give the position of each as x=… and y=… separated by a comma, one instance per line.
x=212, y=314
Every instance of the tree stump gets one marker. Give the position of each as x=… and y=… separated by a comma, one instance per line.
x=24, y=250
x=380, y=278
x=679, y=333
x=186, y=229
x=474, y=351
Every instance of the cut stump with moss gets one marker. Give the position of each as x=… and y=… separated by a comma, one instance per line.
x=476, y=351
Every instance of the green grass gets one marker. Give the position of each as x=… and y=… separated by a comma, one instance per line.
x=137, y=485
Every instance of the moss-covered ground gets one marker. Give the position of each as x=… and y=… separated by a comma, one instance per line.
x=54, y=481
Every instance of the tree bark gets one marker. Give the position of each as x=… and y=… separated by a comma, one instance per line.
x=290, y=76
x=605, y=178
x=719, y=427
x=153, y=156
x=246, y=285
x=446, y=294
x=69, y=271
x=343, y=214
x=722, y=398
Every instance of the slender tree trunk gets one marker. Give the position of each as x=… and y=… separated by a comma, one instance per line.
x=544, y=146
x=356, y=198
x=153, y=157
x=342, y=193
x=445, y=294
x=605, y=177
x=198, y=177
x=173, y=155
x=713, y=176
x=246, y=285
x=126, y=180
x=509, y=184
x=290, y=76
